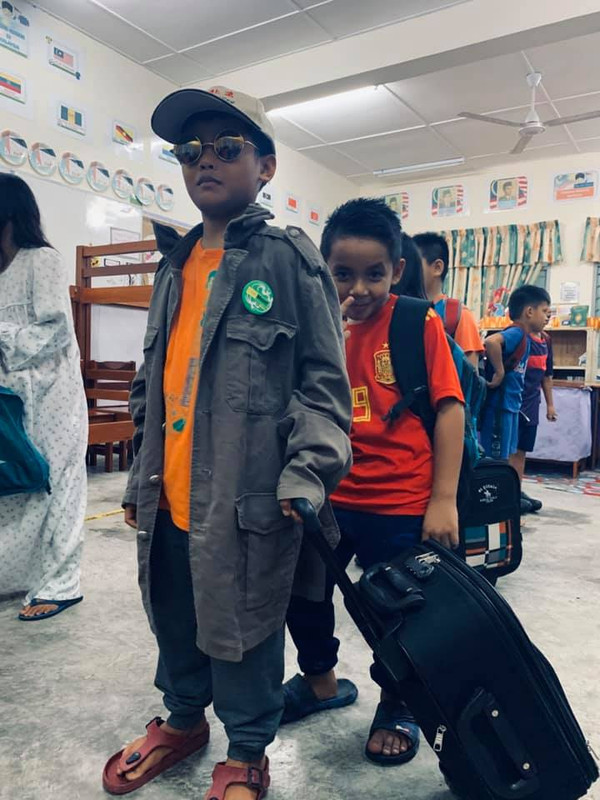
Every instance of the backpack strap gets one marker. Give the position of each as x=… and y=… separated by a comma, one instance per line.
x=515, y=358
x=407, y=352
x=452, y=314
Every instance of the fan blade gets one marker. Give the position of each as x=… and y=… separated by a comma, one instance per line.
x=494, y=120
x=521, y=144
x=568, y=120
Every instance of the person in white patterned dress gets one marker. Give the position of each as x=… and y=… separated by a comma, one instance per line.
x=41, y=535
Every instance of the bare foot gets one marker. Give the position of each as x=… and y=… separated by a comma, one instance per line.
x=385, y=742
x=240, y=792
x=35, y=611
x=156, y=755
x=324, y=686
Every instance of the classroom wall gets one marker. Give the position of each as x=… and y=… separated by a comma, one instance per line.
x=541, y=206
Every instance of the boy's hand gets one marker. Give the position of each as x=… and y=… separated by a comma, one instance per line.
x=441, y=523
x=497, y=379
x=130, y=516
x=288, y=511
x=551, y=414
x=344, y=309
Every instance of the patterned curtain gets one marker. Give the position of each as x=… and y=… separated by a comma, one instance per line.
x=487, y=264
x=591, y=240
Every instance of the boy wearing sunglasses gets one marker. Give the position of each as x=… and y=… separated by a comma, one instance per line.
x=242, y=404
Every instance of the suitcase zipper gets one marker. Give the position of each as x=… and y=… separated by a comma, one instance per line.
x=438, y=742
x=568, y=720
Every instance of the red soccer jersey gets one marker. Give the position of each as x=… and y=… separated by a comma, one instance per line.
x=393, y=462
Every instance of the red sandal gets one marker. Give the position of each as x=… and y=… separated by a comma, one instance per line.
x=181, y=746
x=224, y=776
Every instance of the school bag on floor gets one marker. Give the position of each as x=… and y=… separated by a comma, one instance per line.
x=23, y=469
x=487, y=700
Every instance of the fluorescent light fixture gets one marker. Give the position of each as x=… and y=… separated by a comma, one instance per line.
x=326, y=103
x=449, y=162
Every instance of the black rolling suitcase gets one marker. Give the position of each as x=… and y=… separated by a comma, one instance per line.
x=490, y=519
x=486, y=699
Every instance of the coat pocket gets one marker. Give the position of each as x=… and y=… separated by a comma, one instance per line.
x=272, y=545
x=260, y=356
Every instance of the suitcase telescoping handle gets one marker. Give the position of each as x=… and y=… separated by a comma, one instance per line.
x=357, y=610
x=520, y=779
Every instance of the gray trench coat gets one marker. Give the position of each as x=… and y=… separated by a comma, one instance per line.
x=271, y=420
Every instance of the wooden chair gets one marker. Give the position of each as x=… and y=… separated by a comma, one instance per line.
x=108, y=384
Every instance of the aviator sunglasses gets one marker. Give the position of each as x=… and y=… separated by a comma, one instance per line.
x=228, y=146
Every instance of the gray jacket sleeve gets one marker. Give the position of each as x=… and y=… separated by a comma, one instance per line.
x=317, y=420
x=137, y=406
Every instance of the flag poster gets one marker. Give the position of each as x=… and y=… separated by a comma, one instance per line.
x=266, y=196
x=14, y=29
x=292, y=203
x=446, y=201
x=63, y=58
x=398, y=203
x=123, y=134
x=71, y=118
x=315, y=216
x=12, y=86
x=507, y=193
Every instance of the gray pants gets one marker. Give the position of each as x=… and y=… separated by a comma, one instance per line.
x=247, y=696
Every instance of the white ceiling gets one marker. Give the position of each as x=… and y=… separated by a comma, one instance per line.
x=404, y=122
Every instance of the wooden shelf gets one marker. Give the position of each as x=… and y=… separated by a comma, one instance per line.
x=570, y=366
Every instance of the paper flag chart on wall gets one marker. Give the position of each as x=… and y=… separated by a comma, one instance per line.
x=398, y=203
x=508, y=193
x=292, y=203
x=446, y=201
x=314, y=215
x=98, y=176
x=14, y=29
x=71, y=168
x=13, y=148
x=166, y=154
x=165, y=197
x=63, y=58
x=71, y=118
x=12, y=86
x=43, y=159
x=122, y=184
x=266, y=196
x=144, y=191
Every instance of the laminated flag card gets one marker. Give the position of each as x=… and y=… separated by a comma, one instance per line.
x=71, y=118
x=12, y=86
x=63, y=58
x=292, y=203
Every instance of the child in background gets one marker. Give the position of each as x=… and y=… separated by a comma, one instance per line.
x=538, y=374
x=242, y=405
x=401, y=489
x=508, y=352
x=436, y=259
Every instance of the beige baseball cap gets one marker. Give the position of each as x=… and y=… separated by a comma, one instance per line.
x=172, y=113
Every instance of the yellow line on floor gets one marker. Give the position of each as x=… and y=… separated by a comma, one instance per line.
x=104, y=514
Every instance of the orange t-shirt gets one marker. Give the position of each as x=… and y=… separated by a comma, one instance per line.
x=180, y=380
x=393, y=463
x=467, y=332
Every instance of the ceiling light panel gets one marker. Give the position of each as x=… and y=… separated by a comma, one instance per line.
x=259, y=44
x=352, y=114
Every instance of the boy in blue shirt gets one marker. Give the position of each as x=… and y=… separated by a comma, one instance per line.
x=508, y=353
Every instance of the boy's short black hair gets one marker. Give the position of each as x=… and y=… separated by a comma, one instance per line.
x=433, y=247
x=524, y=296
x=366, y=218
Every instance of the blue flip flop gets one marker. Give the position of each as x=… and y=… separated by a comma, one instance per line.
x=61, y=605
x=301, y=701
x=396, y=718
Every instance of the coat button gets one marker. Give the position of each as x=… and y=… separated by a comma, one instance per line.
x=294, y=232
x=155, y=480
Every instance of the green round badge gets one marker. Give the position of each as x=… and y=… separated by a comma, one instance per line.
x=257, y=297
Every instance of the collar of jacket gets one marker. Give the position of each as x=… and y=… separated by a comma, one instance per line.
x=177, y=248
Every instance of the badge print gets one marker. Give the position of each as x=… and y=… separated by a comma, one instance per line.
x=257, y=297
x=383, y=367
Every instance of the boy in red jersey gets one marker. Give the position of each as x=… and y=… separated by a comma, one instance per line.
x=402, y=487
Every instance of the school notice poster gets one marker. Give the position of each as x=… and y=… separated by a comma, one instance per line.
x=398, y=203
x=508, y=193
x=14, y=29
x=448, y=201
x=575, y=185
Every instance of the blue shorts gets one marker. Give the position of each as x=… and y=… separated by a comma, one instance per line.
x=508, y=434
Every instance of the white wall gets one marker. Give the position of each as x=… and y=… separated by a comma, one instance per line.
x=541, y=206
x=112, y=87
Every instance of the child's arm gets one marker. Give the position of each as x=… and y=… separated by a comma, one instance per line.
x=441, y=518
x=549, y=397
x=316, y=423
x=493, y=348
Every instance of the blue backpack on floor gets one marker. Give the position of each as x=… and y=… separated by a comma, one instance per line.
x=407, y=352
x=23, y=469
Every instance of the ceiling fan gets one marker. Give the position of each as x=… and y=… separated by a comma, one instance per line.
x=533, y=125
